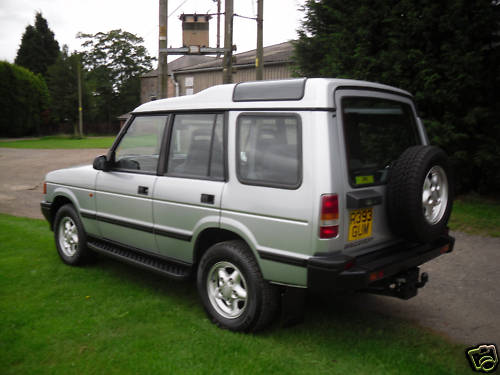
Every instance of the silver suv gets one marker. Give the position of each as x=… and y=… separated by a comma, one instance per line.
x=263, y=190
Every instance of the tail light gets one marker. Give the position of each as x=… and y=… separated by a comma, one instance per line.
x=44, y=188
x=329, y=219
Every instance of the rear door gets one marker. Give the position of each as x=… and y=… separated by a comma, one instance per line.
x=268, y=199
x=375, y=129
x=187, y=196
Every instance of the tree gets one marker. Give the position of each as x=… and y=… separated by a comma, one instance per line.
x=38, y=49
x=115, y=61
x=24, y=98
x=121, y=52
x=445, y=52
x=63, y=88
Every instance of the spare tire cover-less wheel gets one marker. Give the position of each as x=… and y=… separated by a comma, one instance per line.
x=419, y=194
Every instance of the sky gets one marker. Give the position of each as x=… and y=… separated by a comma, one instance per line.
x=68, y=17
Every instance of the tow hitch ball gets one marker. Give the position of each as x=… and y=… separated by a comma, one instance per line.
x=412, y=278
x=424, y=277
x=403, y=285
x=407, y=284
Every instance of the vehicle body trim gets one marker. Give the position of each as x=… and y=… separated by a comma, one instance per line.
x=137, y=226
x=242, y=109
x=275, y=218
x=281, y=258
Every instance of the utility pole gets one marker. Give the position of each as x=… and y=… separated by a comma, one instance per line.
x=259, y=60
x=162, y=51
x=227, y=73
x=218, y=25
x=80, y=109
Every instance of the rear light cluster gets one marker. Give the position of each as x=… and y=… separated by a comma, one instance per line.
x=329, y=219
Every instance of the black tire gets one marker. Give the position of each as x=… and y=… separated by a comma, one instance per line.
x=408, y=216
x=261, y=303
x=70, y=237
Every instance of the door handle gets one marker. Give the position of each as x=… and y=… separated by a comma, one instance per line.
x=143, y=190
x=207, y=198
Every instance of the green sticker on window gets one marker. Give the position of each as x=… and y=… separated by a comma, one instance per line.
x=363, y=180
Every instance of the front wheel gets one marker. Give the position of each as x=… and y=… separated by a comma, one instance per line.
x=70, y=237
x=232, y=289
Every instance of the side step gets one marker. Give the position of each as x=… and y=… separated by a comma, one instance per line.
x=136, y=258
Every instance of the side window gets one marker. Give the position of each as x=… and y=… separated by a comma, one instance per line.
x=196, y=146
x=139, y=148
x=269, y=150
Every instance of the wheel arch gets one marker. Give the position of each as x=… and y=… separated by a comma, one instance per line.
x=211, y=236
x=59, y=201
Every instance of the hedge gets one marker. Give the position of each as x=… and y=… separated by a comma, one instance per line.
x=25, y=98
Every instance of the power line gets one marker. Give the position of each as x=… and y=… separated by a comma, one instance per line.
x=248, y=18
x=176, y=9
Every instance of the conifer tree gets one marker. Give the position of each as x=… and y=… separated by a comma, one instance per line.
x=38, y=49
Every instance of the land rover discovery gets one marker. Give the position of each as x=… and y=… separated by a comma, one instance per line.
x=260, y=189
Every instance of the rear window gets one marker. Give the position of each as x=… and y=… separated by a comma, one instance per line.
x=376, y=131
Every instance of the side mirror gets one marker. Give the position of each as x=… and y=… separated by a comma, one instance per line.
x=101, y=163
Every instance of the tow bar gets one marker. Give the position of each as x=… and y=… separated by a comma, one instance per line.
x=403, y=285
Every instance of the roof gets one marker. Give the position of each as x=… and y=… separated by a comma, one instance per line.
x=277, y=53
x=313, y=93
x=182, y=62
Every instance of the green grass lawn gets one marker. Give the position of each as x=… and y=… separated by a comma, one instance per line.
x=61, y=142
x=110, y=318
x=475, y=215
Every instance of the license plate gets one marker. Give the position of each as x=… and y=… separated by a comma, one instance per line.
x=360, y=224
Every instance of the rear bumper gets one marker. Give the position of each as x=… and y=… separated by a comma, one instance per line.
x=339, y=272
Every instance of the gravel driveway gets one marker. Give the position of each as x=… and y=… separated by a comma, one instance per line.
x=461, y=300
x=22, y=172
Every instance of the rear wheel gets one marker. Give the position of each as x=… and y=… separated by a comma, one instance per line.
x=70, y=237
x=232, y=289
x=419, y=194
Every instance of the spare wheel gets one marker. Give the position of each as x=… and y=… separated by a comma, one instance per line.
x=420, y=194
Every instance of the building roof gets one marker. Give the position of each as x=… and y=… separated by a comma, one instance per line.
x=277, y=53
x=182, y=62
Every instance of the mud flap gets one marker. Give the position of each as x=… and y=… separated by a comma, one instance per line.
x=292, y=306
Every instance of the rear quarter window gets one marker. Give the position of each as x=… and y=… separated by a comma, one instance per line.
x=376, y=132
x=269, y=151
